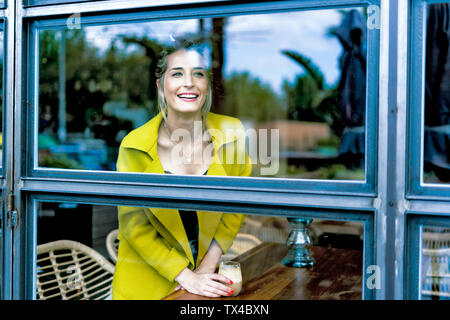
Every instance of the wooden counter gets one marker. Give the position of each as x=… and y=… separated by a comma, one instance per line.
x=336, y=275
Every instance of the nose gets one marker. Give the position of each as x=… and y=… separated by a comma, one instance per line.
x=188, y=80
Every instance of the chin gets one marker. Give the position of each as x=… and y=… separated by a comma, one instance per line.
x=187, y=108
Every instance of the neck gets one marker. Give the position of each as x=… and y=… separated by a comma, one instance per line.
x=191, y=123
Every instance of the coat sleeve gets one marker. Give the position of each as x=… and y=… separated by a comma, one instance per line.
x=136, y=229
x=231, y=223
x=157, y=252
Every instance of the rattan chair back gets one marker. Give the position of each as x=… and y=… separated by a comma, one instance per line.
x=69, y=270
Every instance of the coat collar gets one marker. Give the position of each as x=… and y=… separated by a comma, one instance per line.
x=145, y=138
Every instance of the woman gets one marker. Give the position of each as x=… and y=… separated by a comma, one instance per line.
x=162, y=250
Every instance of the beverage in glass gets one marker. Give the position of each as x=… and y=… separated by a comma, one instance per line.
x=232, y=270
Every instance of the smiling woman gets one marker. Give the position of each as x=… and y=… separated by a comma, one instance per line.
x=184, y=100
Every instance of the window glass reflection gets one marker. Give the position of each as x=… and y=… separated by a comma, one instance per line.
x=299, y=101
x=105, y=252
x=435, y=263
x=437, y=95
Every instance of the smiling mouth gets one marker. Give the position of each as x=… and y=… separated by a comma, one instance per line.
x=188, y=96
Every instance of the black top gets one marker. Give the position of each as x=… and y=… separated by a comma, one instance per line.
x=190, y=223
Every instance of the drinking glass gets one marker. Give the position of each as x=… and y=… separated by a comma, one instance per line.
x=232, y=270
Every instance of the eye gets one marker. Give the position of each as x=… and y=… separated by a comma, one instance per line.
x=199, y=74
x=177, y=74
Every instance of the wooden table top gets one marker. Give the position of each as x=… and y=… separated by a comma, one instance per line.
x=337, y=275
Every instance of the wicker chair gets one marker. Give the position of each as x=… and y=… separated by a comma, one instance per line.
x=69, y=270
x=112, y=244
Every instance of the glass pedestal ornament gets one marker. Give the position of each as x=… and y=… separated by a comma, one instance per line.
x=299, y=243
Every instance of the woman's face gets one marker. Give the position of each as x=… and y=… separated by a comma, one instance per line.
x=185, y=82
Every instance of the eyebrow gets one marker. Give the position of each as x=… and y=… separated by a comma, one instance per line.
x=180, y=68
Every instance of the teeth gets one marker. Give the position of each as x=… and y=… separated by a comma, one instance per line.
x=188, y=96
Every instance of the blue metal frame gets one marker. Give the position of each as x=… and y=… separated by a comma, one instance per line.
x=412, y=266
x=47, y=2
x=28, y=256
x=24, y=269
x=5, y=254
x=4, y=96
x=5, y=233
x=360, y=188
x=366, y=188
x=348, y=201
x=416, y=79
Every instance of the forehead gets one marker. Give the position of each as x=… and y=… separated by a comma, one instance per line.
x=185, y=59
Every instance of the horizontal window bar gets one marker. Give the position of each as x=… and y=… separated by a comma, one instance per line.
x=354, y=214
x=222, y=7
x=226, y=182
x=427, y=207
x=127, y=3
x=234, y=195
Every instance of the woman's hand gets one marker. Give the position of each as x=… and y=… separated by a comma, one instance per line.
x=205, y=284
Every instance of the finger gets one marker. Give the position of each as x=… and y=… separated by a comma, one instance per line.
x=215, y=278
x=221, y=278
x=219, y=288
x=221, y=292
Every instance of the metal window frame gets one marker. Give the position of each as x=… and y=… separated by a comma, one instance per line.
x=5, y=235
x=28, y=253
x=357, y=188
x=416, y=100
x=423, y=203
x=29, y=3
x=7, y=15
x=385, y=204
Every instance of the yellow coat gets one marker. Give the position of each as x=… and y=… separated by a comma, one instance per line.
x=154, y=247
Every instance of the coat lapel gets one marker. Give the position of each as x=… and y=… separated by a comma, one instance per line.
x=171, y=220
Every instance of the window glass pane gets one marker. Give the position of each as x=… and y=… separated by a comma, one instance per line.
x=286, y=104
x=144, y=249
x=437, y=95
x=435, y=263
